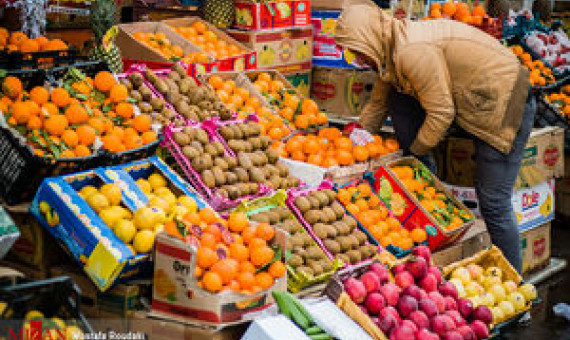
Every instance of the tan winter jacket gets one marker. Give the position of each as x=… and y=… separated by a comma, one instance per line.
x=457, y=72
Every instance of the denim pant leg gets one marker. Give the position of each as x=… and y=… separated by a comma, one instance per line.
x=407, y=118
x=494, y=181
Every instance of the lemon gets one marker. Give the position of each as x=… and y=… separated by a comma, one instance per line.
x=162, y=191
x=158, y=228
x=157, y=201
x=110, y=215
x=87, y=191
x=528, y=291
x=143, y=242
x=98, y=202
x=112, y=192
x=179, y=210
x=144, y=218
x=156, y=181
x=159, y=215
x=188, y=202
x=125, y=213
x=170, y=198
x=144, y=185
x=125, y=230
x=58, y=322
x=73, y=333
x=33, y=315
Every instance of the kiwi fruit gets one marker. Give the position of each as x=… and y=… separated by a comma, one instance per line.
x=275, y=182
x=161, y=87
x=360, y=236
x=198, y=146
x=181, y=138
x=303, y=204
x=157, y=103
x=315, y=204
x=353, y=241
x=219, y=147
x=338, y=210
x=208, y=178
x=223, y=192
x=307, y=239
x=260, y=217
x=135, y=95
x=244, y=161
x=190, y=152
x=345, y=243
x=202, y=136
x=283, y=213
x=145, y=107
x=297, y=240
x=256, y=175
x=219, y=176
x=231, y=178
x=262, y=157
x=273, y=217
x=208, y=160
x=332, y=246
x=238, y=133
x=233, y=192
x=331, y=194
x=331, y=231
x=321, y=231
x=272, y=155
x=136, y=79
x=295, y=261
x=221, y=163
x=255, y=143
x=211, y=150
x=199, y=164
x=283, y=170
x=306, y=270
x=327, y=265
x=328, y=215
x=317, y=269
x=323, y=198
x=350, y=221
x=243, y=188
x=314, y=252
x=146, y=93
x=271, y=170
x=313, y=216
x=344, y=258
x=174, y=75
x=242, y=175
x=231, y=161
x=354, y=255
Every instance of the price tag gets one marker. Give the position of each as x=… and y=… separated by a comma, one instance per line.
x=361, y=137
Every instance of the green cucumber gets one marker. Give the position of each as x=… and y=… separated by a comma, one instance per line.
x=282, y=303
x=300, y=306
x=321, y=336
x=313, y=330
x=299, y=318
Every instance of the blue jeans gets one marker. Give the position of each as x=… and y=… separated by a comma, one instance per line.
x=495, y=174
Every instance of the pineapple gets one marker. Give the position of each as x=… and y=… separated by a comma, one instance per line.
x=221, y=13
x=102, y=19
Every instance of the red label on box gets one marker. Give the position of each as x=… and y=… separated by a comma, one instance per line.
x=272, y=14
x=551, y=156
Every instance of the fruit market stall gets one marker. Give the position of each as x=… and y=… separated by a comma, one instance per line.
x=197, y=179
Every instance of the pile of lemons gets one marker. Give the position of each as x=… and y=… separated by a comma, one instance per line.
x=139, y=229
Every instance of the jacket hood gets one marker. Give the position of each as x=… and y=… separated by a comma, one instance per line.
x=363, y=27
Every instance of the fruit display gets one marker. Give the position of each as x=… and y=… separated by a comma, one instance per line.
x=20, y=42
x=193, y=102
x=238, y=95
x=212, y=170
x=416, y=303
x=161, y=112
x=488, y=280
x=208, y=41
x=302, y=113
x=429, y=193
x=460, y=11
x=553, y=48
x=329, y=147
x=160, y=43
x=540, y=74
x=232, y=255
x=362, y=203
x=293, y=309
x=326, y=220
x=66, y=121
x=308, y=263
x=260, y=162
x=560, y=100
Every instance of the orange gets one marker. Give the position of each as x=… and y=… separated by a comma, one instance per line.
x=353, y=209
x=264, y=280
x=20, y=112
x=82, y=151
x=39, y=95
x=449, y=8
x=29, y=46
x=206, y=257
x=302, y=121
x=246, y=280
x=239, y=252
x=104, y=81
x=60, y=97
x=391, y=145
x=208, y=215
x=208, y=241
x=212, y=282
x=418, y=235
x=216, y=82
x=76, y=114
x=55, y=125
x=226, y=269
x=293, y=145
x=142, y=123
x=118, y=93
x=214, y=231
x=265, y=231
x=42, y=42
x=264, y=76
x=12, y=87
x=199, y=27
x=344, y=157
x=277, y=269
x=248, y=234
x=237, y=222
x=69, y=137
x=112, y=143
x=311, y=146
x=343, y=143
x=17, y=38
x=309, y=107
x=360, y=153
x=260, y=256
x=124, y=110
x=132, y=141
x=34, y=123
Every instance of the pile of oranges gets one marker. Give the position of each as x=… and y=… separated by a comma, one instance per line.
x=66, y=121
x=160, y=43
x=296, y=111
x=329, y=147
x=560, y=101
x=199, y=34
x=458, y=11
x=232, y=254
x=540, y=74
x=20, y=42
x=443, y=209
x=240, y=100
x=366, y=207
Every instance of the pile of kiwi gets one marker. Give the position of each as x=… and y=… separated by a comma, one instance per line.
x=143, y=97
x=256, y=156
x=334, y=227
x=306, y=256
x=218, y=171
x=194, y=102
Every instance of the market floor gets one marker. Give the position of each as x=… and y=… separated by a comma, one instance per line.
x=545, y=325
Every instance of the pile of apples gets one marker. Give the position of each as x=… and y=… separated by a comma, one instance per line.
x=486, y=286
x=417, y=304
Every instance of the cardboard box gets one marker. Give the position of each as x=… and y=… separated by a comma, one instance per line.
x=342, y=92
x=532, y=206
x=327, y=4
x=278, y=47
x=158, y=329
x=544, y=150
x=246, y=61
x=326, y=52
x=301, y=81
x=176, y=295
x=536, y=246
x=252, y=15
